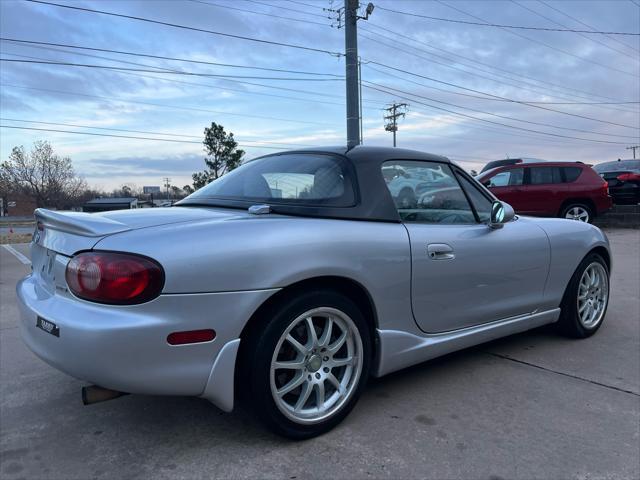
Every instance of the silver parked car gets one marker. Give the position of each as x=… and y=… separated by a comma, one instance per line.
x=290, y=281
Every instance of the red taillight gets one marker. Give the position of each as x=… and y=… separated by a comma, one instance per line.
x=114, y=278
x=191, y=336
x=629, y=177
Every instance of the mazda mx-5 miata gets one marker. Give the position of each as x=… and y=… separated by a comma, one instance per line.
x=291, y=280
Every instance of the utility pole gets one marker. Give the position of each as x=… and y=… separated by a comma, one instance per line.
x=167, y=184
x=352, y=78
x=392, y=119
x=634, y=148
x=360, y=97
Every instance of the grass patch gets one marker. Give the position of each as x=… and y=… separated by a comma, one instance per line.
x=15, y=238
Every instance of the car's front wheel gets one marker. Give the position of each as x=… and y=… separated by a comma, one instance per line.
x=307, y=366
x=586, y=299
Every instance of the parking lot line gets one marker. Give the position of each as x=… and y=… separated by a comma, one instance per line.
x=17, y=254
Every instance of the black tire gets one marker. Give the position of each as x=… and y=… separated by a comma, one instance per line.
x=257, y=353
x=577, y=205
x=569, y=323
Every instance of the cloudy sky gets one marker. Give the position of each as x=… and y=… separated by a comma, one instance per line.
x=460, y=80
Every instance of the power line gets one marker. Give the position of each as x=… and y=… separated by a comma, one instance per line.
x=122, y=136
x=305, y=4
x=484, y=97
x=246, y=92
x=176, y=107
x=165, y=71
x=162, y=70
x=581, y=34
x=186, y=27
x=498, y=96
x=287, y=8
x=540, y=42
x=228, y=7
x=488, y=121
x=509, y=74
x=163, y=57
x=125, y=130
x=519, y=27
x=479, y=97
x=98, y=128
x=505, y=117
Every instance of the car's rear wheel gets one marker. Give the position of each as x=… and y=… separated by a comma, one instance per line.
x=577, y=211
x=308, y=365
x=585, y=301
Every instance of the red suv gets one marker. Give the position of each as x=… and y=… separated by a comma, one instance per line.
x=550, y=189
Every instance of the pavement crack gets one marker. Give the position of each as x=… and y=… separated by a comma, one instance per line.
x=611, y=387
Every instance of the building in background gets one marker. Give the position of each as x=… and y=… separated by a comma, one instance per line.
x=16, y=205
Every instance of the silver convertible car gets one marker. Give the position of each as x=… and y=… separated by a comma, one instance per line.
x=288, y=282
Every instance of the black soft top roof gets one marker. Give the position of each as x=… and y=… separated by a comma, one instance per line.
x=374, y=202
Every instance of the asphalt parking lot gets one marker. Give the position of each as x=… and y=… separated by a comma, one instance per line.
x=534, y=405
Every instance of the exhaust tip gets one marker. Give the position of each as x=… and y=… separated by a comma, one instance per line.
x=95, y=394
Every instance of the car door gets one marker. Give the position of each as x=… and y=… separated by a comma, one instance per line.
x=507, y=184
x=543, y=191
x=463, y=272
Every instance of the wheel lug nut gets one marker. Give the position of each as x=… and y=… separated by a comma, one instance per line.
x=326, y=369
x=317, y=375
x=309, y=377
x=326, y=359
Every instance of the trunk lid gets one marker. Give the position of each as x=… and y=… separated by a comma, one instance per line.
x=69, y=232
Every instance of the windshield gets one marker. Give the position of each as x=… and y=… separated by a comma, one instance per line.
x=292, y=178
x=617, y=166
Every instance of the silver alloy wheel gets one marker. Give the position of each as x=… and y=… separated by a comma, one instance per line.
x=577, y=213
x=593, y=295
x=316, y=365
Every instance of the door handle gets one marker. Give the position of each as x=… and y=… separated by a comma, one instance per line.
x=440, y=251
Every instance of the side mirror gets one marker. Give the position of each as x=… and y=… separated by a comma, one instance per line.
x=501, y=213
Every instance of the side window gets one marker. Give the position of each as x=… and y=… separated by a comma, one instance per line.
x=513, y=176
x=480, y=202
x=545, y=175
x=571, y=174
x=427, y=192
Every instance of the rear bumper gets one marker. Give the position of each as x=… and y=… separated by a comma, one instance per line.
x=124, y=347
x=626, y=194
x=603, y=204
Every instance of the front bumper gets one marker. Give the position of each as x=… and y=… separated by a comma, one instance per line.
x=124, y=347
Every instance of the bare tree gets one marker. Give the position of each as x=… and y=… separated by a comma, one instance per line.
x=43, y=175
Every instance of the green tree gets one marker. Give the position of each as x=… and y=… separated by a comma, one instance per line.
x=223, y=155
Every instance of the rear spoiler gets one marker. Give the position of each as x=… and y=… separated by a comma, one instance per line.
x=78, y=223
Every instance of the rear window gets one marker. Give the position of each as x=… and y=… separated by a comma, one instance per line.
x=620, y=165
x=297, y=179
x=544, y=175
x=571, y=174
